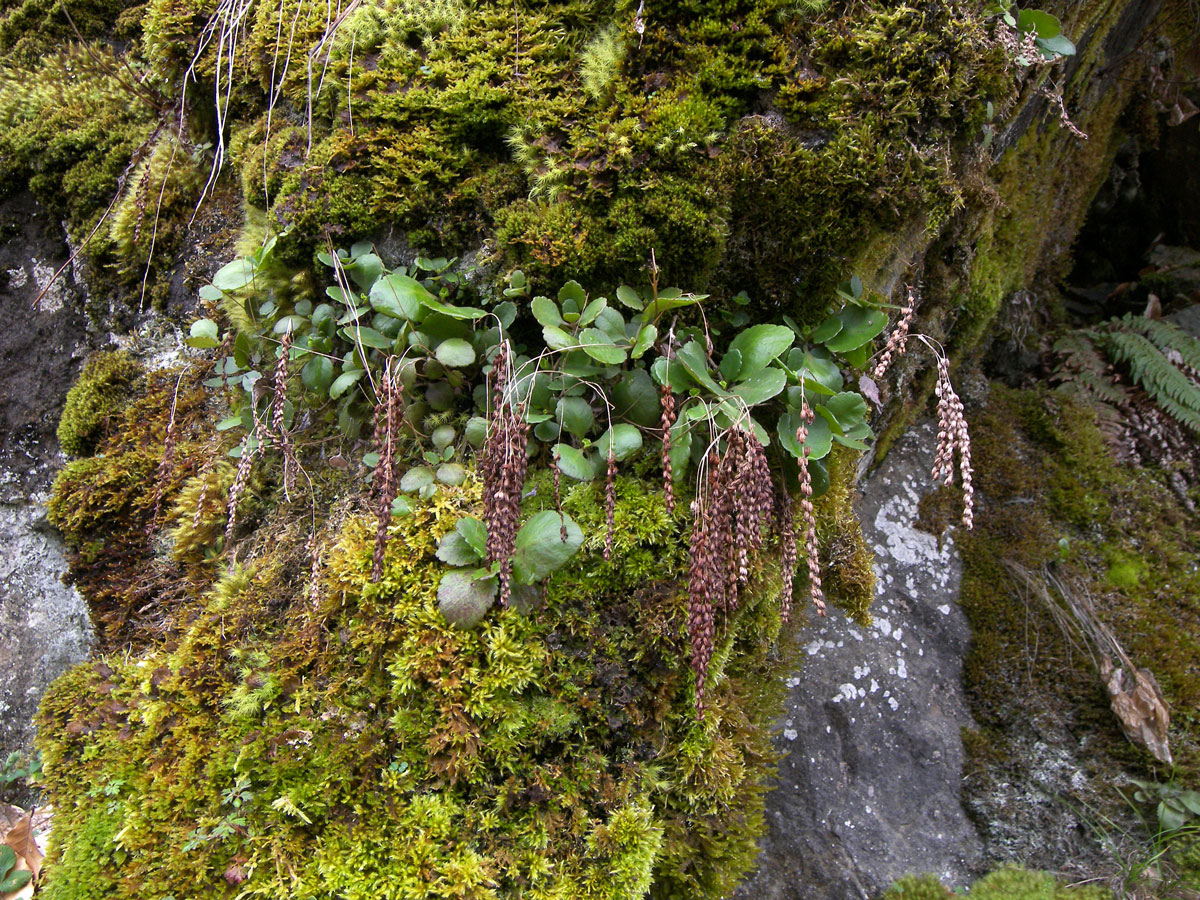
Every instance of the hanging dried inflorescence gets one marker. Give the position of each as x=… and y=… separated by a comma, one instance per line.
x=811, y=550
x=389, y=414
x=897, y=341
x=278, y=420
x=666, y=424
x=727, y=523
x=785, y=522
x=610, y=504
x=503, y=466
x=953, y=436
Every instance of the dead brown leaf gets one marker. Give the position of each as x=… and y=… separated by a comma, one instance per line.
x=20, y=838
x=1140, y=708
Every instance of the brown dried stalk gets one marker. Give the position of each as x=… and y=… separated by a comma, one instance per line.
x=897, y=341
x=610, y=504
x=503, y=465
x=388, y=416
x=705, y=582
x=314, y=570
x=278, y=404
x=953, y=436
x=811, y=548
x=727, y=523
x=245, y=464
x=786, y=524
x=666, y=424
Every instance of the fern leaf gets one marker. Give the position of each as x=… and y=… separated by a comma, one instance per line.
x=1176, y=394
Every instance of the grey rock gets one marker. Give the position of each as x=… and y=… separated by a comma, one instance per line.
x=44, y=626
x=870, y=779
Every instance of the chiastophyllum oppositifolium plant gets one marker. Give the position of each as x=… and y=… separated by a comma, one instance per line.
x=742, y=415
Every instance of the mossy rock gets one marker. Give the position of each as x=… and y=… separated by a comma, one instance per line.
x=98, y=395
x=364, y=747
x=1009, y=883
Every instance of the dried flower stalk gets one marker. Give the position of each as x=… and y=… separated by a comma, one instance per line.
x=786, y=524
x=610, y=504
x=388, y=416
x=811, y=548
x=666, y=424
x=953, y=436
x=503, y=465
x=897, y=341
x=278, y=404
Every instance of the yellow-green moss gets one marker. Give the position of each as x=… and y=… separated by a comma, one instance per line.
x=1009, y=883
x=1044, y=473
x=153, y=211
x=376, y=751
x=105, y=504
x=98, y=395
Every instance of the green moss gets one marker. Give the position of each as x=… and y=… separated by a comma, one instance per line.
x=150, y=219
x=552, y=755
x=1044, y=472
x=99, y=395
x=31, y=28
x=561, y=132
x=105, y=505
x=1009, y=883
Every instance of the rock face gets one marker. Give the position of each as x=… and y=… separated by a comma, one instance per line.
x=869, y=783
x=44, y=622
x=44, y=627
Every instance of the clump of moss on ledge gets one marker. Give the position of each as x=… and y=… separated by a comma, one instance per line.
x=375, y=751
x=1009, y=883
x=104, y=505
x=1052, y=500
x=98, y=395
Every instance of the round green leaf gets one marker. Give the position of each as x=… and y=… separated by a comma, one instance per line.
x=758, y=345
x=576, y=415
x=204, y=335
x=452, y=474
x=630, y=297
x=645, y=340
x=463, y=599
x=416, y=478
x=545, y=311
x=442, y=436
x=635, y=398
x=474, y=532
x=819, y=441
x=827, y=329
x=1039, y=21
x=540, y=549
x=345, y=381
x=761, y=386
x=454, y=549
x=455, y=353
x=572, y=463
x=234, y=275
x=599, y=346
x=317, y=374
x=399, y=296
x=859, y=326
x=622, y=440
x=572, y=290
x=476, y=431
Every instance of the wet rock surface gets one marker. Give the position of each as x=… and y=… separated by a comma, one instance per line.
x=869, y=785
x=44, y=627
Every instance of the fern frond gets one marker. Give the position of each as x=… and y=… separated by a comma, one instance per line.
x=1166, y=336
x=1086, y=368
x=1176, y=394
